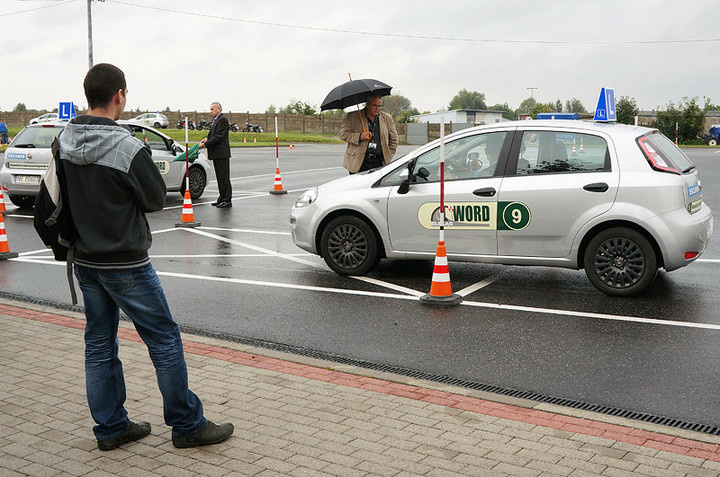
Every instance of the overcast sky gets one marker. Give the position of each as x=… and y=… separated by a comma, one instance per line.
x=248, y=55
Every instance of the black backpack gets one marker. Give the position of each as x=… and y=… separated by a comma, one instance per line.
x=53, y=222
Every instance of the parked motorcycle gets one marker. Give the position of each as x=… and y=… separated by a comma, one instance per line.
x=234, y=127
x=202, y=124
x=252, y=128
x=181, y=124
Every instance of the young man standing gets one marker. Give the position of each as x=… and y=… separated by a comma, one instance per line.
x=111, y=183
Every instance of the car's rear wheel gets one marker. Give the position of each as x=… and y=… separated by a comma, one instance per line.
x=349, y=246
x=156, y=125
x=620, y=261
x=712, y=142
x=23, y=201
x=198, y=181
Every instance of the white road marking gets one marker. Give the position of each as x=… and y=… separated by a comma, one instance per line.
x=473, y=288
x=497, y=306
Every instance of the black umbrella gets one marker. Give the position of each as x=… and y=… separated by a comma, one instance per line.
x=354, y=92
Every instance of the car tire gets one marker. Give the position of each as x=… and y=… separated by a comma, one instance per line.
x=246, y=129
x=23, y=201
x=156, y=125
x=198, y=181
x=713, y=142
x=349, y=246
x=620, y=262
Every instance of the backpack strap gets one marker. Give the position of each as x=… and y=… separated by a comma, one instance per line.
x=55, y=148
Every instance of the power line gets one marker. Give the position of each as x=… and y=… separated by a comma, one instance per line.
x=418, y=37
x=36, y=8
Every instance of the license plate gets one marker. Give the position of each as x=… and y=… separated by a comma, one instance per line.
x=23, y=179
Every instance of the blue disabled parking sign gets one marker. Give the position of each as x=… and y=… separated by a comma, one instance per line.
x=66, y=111
x=605, y=110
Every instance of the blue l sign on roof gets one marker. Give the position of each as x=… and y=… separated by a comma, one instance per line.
x=66, y=111
x=605, y=110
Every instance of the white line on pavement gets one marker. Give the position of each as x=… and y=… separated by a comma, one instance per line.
x=473, y=288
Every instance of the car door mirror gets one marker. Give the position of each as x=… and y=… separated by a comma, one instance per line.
x=405, y=184
x=423, y=173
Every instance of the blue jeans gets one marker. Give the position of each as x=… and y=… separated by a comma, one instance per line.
x=138, y=293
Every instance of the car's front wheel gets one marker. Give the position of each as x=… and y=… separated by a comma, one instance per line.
x=23, y=201
x=198, y=181
x=349, y=246
x=620, y=261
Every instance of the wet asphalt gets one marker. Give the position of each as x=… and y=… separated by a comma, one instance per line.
x=533, y=329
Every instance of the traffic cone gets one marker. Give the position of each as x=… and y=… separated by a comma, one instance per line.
x=574, y=151
x=5, y=252
x=2, y=202
x=254, y=139
x=277, y=187
x=244, y=139
x=188, y=218
x=291, y=147
x=440, y=289
x=581, y=147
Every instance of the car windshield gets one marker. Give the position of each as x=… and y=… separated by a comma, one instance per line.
x=41, y=137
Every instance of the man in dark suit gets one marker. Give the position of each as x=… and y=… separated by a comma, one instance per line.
x=217, y=143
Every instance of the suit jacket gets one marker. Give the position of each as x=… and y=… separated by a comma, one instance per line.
x=218, y=139
x=355, y=152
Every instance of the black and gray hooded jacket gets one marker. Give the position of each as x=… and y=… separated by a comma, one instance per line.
x=111, y=182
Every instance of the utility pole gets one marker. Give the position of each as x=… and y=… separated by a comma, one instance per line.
x=90, y=41
x=532, y=101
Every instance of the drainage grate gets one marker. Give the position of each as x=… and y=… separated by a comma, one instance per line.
x=503, y=391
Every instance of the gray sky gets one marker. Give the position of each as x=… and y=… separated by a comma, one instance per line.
x=184, y=54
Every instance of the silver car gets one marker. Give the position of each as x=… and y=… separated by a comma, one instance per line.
x=619, y=201
x=44, y=118
x=156, y=120
x=28, y=156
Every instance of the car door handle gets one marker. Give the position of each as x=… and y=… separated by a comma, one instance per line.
x=485, y=192
x=597, y=187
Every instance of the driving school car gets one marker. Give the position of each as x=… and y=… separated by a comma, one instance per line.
x=28, y=156
x=619, y=201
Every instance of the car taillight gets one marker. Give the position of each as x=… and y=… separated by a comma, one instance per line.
x=691, y=255
x=655, y=158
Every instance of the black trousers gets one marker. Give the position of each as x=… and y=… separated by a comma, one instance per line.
x=222, y=173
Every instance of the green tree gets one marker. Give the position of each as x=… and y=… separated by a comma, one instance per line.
x=574, y=106
x=626, y=109
x=270, y=110
x=404, y=117
x=687, y=115
x=525, y=106
x=299, y=107
x=468, y=100
x=541, y=108
x=20, y=107
x=396, y=104
x=558, y=106
x=507, y=112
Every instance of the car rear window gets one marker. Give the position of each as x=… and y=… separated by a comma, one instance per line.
x=548, y=152
x=663, y=155
x=40, y=137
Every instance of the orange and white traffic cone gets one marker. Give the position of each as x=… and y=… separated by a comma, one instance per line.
x=188, y=218
x=255, y=139
x=291, y=147
x=2, y=202
x=244, y=139
x=581, y=147
x=440, y=289
x=574, y=151
x=277, y=186
x=5, y=252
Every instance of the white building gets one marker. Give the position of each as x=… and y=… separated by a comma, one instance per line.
x=476, y=117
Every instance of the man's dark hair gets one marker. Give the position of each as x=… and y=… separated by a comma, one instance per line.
x=101, y=83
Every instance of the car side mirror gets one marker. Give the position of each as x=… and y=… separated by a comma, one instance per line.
x=405, y=178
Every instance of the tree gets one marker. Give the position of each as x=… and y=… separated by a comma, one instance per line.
x=404, y=117
x=299, y=107
x=626, y=109
x=558, y=106
x=270, y=110
x=687, y=115
x=541, y=108
x=468, y=100
x=574, y=106
x=20, y=107
x=525, y=106
x=507, y=112
x=396, y=104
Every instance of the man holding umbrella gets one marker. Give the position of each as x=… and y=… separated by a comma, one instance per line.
x=371, y=136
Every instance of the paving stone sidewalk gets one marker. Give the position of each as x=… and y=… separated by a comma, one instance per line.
x=301, y=417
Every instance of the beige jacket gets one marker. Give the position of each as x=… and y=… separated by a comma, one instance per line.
x=355, y=152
